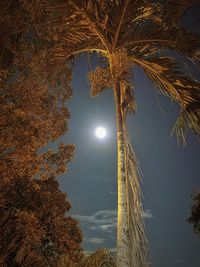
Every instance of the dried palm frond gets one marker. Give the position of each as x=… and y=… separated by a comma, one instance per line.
x=128, y=102
x=138, y=242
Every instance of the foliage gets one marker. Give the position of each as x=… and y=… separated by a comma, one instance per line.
x=194, y=218
x=34, y=227
x=100, y=258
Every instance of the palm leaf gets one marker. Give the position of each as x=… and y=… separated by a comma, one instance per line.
x=152, y=36
x=172, y=81
x=187, y=119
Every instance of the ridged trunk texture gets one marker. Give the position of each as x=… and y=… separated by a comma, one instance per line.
x=123, y=257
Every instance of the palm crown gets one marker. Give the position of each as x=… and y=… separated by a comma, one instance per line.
x=128, y=33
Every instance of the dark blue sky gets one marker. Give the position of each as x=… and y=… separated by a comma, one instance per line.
x=170, y=173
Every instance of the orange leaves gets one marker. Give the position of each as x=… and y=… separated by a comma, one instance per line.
x=35, y=218
x=34, y=228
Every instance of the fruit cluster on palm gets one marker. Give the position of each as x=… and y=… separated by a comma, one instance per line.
x=126, y=33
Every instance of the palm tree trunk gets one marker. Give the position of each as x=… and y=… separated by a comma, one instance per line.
x=123, y=259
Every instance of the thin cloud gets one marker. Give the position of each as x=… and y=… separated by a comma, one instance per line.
x=105, y=220
x=147, y=214
x=94, y=240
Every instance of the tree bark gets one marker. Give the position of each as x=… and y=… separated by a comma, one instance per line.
x=123, y=257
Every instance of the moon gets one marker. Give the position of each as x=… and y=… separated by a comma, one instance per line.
x=100, y=132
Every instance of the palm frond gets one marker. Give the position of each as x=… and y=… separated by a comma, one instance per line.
x=123, y=12
x=153, y=37
x=172, y=81
x=74, y=28
x=91, y=19
x=138, y=241
x=123, y=15
x=186, y=120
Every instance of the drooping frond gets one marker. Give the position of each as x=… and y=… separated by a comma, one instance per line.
x=186, y=119
x=172, y=81
x=138, y=242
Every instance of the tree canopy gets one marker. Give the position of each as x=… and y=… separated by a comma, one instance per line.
x=35, y=229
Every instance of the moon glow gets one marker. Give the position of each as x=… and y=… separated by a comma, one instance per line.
x=100, y=132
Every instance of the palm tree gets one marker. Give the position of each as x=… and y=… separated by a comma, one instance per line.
x=126, y=33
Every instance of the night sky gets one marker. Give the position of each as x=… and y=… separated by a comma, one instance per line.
x=170, y=173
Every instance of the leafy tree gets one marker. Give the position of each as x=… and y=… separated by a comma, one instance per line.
x=125, y=34
x=194, y=218
x=34, y=228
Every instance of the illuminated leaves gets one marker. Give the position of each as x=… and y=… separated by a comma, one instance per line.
x=34, y=226
x=101, y=257
x=53, y=163
x=35, y=230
